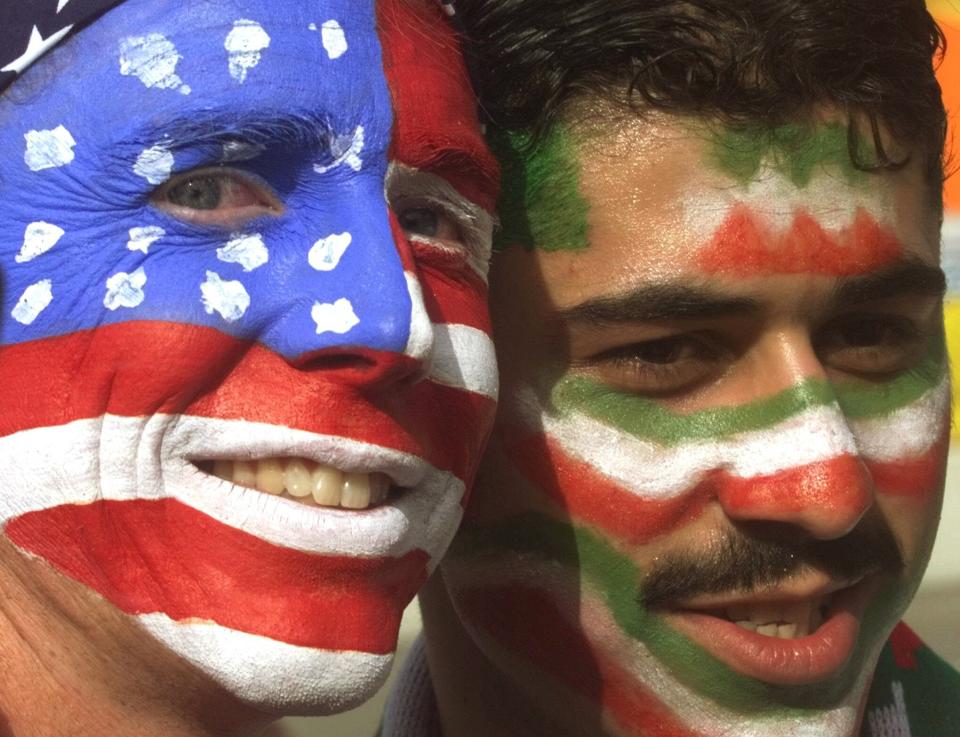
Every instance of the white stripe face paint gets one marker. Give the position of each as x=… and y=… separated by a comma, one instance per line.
x=273, y=676
x=476, y=225
x=776, y=200
x=464, y=358
x=701, y=715
x=94, y=454
x=658, y=472
x=420, y=340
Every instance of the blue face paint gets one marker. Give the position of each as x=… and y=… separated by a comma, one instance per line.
x=142, y=351
x=300, y=86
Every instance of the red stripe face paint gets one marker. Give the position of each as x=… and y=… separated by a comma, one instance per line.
x=745, y=246
x=744, y=351
x=249, y=417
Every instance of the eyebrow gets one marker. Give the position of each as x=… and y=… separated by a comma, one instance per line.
x=211, y=127
x=910, y=276
x=658, y=302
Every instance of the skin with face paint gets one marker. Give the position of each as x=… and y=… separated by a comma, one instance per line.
x=245, y=354
x=717, y=471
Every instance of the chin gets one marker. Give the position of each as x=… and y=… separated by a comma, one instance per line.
x=270, y=676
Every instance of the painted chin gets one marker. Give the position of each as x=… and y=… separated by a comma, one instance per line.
x=778, y=656
x=240, y=583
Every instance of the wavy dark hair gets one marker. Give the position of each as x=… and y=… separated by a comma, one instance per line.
x=742, y=62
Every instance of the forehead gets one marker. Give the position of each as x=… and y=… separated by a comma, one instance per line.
x=669, y=197
x=147, y=63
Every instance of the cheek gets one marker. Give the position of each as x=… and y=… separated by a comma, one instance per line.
x=914, y=526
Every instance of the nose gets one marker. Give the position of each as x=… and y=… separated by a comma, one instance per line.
x=352, y=303
x=821, y=484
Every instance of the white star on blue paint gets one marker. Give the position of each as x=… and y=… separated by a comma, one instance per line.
x=62, y=4
x=36, y=47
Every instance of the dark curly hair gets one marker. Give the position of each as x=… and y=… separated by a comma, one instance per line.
x=742, y=62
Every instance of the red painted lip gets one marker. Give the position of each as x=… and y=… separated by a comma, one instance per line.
x=783, y=662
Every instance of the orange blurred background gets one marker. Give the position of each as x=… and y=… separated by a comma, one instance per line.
x=947, y=13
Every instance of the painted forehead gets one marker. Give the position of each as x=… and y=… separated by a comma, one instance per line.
x=146, y=64
x=792, y=187
x=802, y=202
x=153, y=89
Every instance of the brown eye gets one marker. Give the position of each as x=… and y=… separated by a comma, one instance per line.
x=223, y=197
x=870, y=344
x=658, y=367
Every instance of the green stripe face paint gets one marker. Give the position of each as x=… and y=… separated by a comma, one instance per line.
x=693, y=377
x=540, y=203
x=794, y=151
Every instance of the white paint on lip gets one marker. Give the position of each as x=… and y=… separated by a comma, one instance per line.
x=313, y=681
x=88, y=460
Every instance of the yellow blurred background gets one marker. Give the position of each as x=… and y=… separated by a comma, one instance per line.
x=947, y=13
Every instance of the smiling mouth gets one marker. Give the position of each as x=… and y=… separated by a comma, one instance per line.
x=790, y=640
x=785, y=620
x=303, y=480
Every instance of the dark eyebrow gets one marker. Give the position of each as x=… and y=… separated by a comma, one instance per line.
x=659, y=302
x=254, y=128
x=907, y=277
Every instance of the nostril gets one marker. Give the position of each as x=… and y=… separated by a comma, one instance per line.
x=359, y=366
x=334, y=361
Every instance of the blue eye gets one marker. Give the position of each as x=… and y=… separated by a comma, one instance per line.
x=216, y=196
x=420, y=221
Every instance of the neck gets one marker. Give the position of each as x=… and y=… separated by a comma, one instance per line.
x=73, y=664
x=477, y=697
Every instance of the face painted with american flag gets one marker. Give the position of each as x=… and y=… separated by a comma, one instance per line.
x=245, y=354
x=719, y=459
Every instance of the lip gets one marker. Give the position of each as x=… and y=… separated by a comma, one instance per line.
x=423, y=515
x=783, y=662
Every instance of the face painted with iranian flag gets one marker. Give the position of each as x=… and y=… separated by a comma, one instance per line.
x=717, y=473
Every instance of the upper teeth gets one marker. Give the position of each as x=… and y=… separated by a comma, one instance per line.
x=783, y=620
x=306, y=481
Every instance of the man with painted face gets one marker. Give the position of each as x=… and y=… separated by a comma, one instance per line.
x=244, y=352
x=717, y=468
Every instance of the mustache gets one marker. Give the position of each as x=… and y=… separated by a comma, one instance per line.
x=742, y=561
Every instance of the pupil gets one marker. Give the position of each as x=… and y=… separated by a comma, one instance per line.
x=661, y=351
x=420, y=220
x=202, y=193
x=864, y=334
